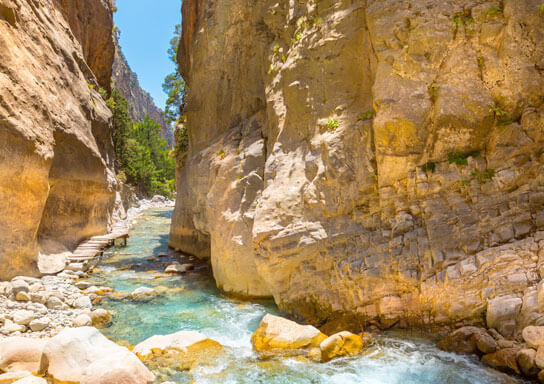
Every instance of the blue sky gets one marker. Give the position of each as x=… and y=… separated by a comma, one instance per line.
x=146, y=29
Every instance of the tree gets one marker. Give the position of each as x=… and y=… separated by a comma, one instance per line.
x=174, y=85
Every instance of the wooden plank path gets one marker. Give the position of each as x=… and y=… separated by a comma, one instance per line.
x=94, y=247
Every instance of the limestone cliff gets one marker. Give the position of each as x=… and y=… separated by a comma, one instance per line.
x=140, y=102
x=56, y=180
x=372, y=161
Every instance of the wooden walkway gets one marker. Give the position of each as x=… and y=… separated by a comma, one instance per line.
x=93, y=248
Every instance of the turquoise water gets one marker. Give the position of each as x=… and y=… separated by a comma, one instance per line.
x=191, y=302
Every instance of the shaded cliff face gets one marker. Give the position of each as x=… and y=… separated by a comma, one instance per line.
x=141, y=103
x=370, y=160
x=91, y=22
x=56, y=178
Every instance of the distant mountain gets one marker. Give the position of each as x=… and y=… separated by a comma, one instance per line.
x=141, y=103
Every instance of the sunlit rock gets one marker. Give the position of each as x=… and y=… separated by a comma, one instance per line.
x=278, y=335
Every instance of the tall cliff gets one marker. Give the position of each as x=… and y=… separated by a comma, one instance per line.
x=140, y=102
x=368, y=161
x=57, y=184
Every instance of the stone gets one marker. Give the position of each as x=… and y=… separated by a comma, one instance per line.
x=503, y=360
x=469, y=340
x=22, y=296
x=83, y=302
x=38, y=297
x=82, y=320
x=541, y=376
x=178, y=268
x=84, y=355
x=19, y=285
x=54, y=303
x=143, y=294
x=11, y=327
x=101, y=318
x=83, y=285
x=539, y=358
x=23, y=317
x=20, y=354
x=502, y=313
x=533, y=336
x=184, y=349
x=278, y=335
x=339, y=345
x=36, y=287
x=40, y=324
x=526, y=362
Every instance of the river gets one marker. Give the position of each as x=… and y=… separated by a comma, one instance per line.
x=192, y=302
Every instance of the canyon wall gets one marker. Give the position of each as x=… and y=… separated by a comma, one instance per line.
x=57, y=184
x=140, y=102
x=368, y=162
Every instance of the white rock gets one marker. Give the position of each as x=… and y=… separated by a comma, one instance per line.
x=83, y=285
x=19, y=286
x=11, y=327
x=178, y=268
x=20, y=354
x=85, y=356
x=175, y=341
x=54, y=303
x=38, y=325
x=83, y=302
x=11, y=377
x=23, y=317
x=143, y=291
x=36, y=287
x=82, y=320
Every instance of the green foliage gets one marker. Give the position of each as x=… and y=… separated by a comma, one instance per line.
x=493, y=11
x=276, y=48
x=433, y=90
x=541, y=9
x=429, y=167
x=461, y=158
x=221, y=154
x=271, y=69
x=463, y=18
x=142, y=158
x=174, y=85
x=480, y=61
x=483, y=176
x=103, y=93
x=116, y=32
x=497, y=111
x=366, y=115
x=332, y=124
x=283, y=58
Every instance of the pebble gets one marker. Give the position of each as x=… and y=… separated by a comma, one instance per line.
x=23, y=317
x=82, y=321
x=38, y=325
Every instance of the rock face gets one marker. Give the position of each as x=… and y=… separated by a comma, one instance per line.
x=140, y=102
x=376, y=160
x=57, y=186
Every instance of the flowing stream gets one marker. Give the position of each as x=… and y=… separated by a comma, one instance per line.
x=191, y=302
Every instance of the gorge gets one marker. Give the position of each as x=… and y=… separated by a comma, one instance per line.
x=371, y=166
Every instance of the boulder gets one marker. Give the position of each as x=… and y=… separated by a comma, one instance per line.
x=178, y=268
x=143, y=294
x=469, y=340
x=504, y=360
x=84, y=355
x=526, y=362
x=22, y=296
x=23, y=317
x=340, y=344
x=82, y=320
x=183, y=349
x=54, y=302
x=533, y=336
x=19, y=285
x=11, y=327
x=101, y=318
x=539, y=357
x=83, y=285
x=82, y=302
x=20, y=354
x=278, y=335
x=502, y=313
x=38, y=325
